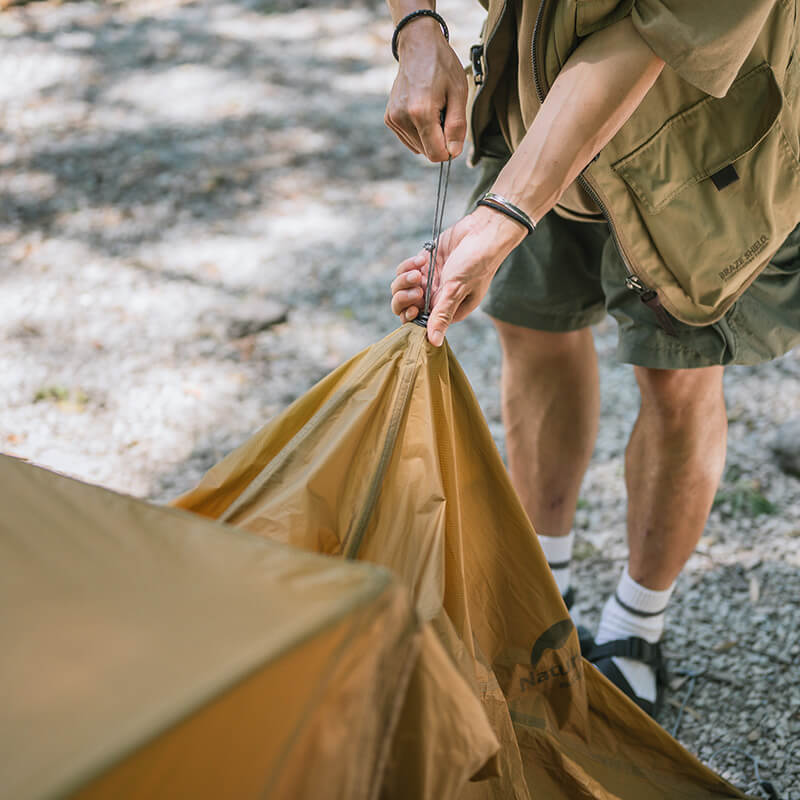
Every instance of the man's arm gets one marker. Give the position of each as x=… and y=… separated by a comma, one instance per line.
x=600, y=86
x=430, y=77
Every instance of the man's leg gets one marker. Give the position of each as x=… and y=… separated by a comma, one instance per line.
x=551, y=405
x=673, y=465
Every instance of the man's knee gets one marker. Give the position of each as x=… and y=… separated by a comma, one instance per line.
x=529, y=346
x=677, y=393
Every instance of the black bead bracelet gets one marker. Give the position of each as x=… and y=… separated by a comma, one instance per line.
x=422, y=12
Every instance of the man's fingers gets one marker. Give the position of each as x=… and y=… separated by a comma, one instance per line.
x=415, y=262
x=403, y=299
x=407, y=280
x=408, y=288
x=403, y=127
x=431, y=135
x=455, y=125
x=413, y=144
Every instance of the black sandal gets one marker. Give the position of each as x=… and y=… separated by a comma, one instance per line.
x=585, y=638
x=601, y=656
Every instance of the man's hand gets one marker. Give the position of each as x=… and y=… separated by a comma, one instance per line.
x=430, y=79
x=469, y=255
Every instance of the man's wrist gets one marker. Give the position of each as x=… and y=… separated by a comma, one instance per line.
x=505, y=206
x=420, y=32
x=400, y=8
x=505, y=231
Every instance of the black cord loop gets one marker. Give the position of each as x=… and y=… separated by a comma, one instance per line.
x=432, y=246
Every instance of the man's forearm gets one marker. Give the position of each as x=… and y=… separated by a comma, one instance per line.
x=399, y=8
x=600, y=86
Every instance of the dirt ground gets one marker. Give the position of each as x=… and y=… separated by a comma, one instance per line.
x=200, y=214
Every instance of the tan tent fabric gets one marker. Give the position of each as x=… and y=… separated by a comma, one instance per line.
x=389, y=460
x=150, y=653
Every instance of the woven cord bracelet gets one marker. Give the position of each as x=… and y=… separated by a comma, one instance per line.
x=499, y=203
x=422, y=12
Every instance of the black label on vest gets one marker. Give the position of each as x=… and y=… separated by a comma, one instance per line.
x=725, y=177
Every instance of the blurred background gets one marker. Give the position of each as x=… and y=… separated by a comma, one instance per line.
x=200, y=215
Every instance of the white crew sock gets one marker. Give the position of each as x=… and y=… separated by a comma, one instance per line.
x=558, y=552
x=621, y=620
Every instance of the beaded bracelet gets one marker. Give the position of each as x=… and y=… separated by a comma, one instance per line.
x=499, y=203
x=422, y=12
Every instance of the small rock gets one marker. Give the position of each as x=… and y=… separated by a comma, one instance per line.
x=786, y=447
x=755, y=589
x=254, y=316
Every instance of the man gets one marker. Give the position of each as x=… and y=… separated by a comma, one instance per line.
x=625, y=64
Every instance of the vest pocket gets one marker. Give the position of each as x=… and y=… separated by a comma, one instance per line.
x=790, y=118
x=716, y=188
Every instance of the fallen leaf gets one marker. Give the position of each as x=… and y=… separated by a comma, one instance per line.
x=676, y=683
x=723, y=647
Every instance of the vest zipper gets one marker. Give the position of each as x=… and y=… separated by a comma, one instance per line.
x=633, y=282
x=538, y=71
x=480, y=67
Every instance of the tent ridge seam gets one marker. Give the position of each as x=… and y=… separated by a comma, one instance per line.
x=263, y=477
x=259, y=482
x=355, y=534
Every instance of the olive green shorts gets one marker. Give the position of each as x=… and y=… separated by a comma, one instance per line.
x=567, y=275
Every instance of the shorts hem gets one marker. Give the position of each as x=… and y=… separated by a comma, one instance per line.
x=552, y=323
x=641, y=355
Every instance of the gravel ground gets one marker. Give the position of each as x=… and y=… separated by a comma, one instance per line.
x=200, y=211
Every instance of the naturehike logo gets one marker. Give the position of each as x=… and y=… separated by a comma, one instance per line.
x=745, y=258
x=554, y=638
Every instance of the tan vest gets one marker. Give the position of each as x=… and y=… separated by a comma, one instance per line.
x=700, y=191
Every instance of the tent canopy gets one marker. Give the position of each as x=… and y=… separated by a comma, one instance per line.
x=389, y=460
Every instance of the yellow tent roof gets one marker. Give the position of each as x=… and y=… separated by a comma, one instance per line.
x=389, y=460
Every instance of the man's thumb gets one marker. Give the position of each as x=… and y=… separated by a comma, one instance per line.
x=440, y=319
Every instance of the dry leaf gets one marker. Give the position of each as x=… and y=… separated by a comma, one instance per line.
x=676, y=683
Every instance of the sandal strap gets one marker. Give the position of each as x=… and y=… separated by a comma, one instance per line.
x=632, y=647
x=610, y=670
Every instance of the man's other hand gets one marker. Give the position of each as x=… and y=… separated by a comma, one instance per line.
x=430, y=78
x=469, y=254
